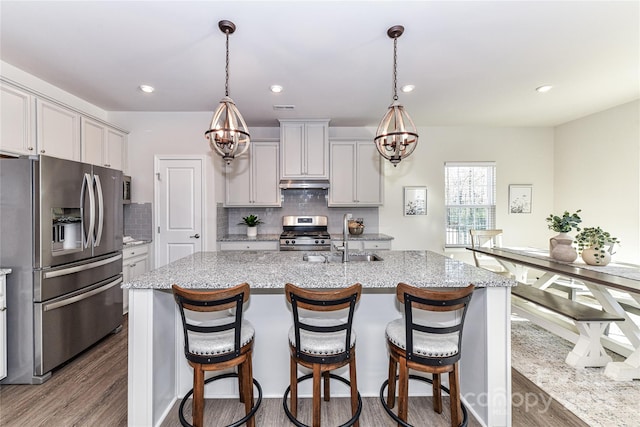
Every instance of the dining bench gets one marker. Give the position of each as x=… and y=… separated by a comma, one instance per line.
x=590, y=322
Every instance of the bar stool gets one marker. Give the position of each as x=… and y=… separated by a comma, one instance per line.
x=322, y=344
x=216, y=344
x=427, y=339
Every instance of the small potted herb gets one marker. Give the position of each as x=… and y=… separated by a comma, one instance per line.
x=560, y=246
x=595, y=245
x=251, y=222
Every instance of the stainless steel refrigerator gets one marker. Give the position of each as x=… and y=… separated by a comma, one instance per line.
x=61, y=224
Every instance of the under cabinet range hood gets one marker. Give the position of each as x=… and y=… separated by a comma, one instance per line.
x=293, y=184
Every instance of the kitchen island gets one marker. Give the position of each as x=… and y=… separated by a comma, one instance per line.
x=159, y=373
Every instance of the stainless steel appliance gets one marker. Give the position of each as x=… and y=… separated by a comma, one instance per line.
x=126, y=189
x=61, y=224
x=305, y=233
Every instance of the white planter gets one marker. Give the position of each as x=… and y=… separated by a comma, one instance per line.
x=560, y=248
x=594, y=256
x=252, y=231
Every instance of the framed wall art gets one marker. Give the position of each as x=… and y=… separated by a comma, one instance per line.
x=520, y=198
x=415, y=201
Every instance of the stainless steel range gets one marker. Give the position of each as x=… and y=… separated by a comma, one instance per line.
x=305, y=233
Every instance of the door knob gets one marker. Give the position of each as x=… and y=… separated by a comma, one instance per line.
x=195, y=236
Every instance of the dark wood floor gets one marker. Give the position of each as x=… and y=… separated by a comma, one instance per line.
x=92, y=391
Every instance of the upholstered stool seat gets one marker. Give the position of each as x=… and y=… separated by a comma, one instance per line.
x=428, y=339
x=217, y=338
x=321, y=339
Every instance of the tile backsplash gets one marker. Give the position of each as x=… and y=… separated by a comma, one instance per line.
x=138, y=221
x=294, y=202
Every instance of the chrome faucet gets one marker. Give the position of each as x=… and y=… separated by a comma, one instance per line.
x=345, y=237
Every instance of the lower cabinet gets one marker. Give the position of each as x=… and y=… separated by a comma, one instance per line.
x=135, y=262
x=366, y=245
x=250, y=246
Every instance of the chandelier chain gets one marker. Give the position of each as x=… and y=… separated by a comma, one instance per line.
x=395, y=68
x=226, y=68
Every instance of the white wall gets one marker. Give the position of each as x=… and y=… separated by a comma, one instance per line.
x=597, y=169
x=522, y=156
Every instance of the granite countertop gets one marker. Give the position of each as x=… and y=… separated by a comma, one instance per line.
x=272, y=269
x=363, y=236
x=136, y=243
x=244, y=238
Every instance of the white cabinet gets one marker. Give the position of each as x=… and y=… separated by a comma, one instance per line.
x=135, y=262
x=17, y=121
x=355, y=177
x=252, y=179
x=101, y=144
x=266, y=245
x=304, y=150
x=57, y=130
x=365, y=245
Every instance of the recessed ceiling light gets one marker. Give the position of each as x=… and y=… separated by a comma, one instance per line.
x=543, y=89
x=407, y=88
x=276, y=88
x=147, y=88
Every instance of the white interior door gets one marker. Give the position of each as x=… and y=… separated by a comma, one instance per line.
x=179, y=192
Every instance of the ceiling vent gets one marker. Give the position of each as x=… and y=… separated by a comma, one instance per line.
x=284, y=107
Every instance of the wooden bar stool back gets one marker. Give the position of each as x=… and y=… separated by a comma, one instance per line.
x=322, y=343
x=214, y=343
x=428, y=339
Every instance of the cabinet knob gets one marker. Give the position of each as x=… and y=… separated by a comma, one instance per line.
x=42, y=151
x=30, y=148
x=133, y=265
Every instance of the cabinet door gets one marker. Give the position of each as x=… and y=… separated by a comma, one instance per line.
x=292, y=137
x=92, y=135
x=317, y=151
x=115, y=146
x=58, y=131
x=342, y=174
x=238, y=181
x=265, y=174
x=16, y=121
x=369, y=177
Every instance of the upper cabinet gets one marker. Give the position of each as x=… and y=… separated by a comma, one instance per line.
x=304, y=152
x=356, y=177
x=17, y=121
x=252, y=179
x=57, y=130
x=102, y=145
x=31, y=124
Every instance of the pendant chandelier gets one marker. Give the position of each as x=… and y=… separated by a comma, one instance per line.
x=228, y=134
x=396, y=137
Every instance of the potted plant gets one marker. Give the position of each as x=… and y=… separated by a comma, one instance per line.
x=251, y=222
x=596, y=245
x=560, y=246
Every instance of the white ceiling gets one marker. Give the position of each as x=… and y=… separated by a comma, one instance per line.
x=473, y=63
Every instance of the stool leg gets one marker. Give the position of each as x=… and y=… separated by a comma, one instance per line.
x=293, y=383
x=354, y=385
x=437, y=395
x=198, y=395
x=391, y=392
x=241, y=374
x=316, y=394
x=247, y=380
x=403, y=389
x=326, y=386
x=454, y=390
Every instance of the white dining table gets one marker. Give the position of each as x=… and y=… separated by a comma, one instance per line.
x=599, y=280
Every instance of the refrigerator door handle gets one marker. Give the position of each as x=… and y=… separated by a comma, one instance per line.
x=80, y=297
x=84, y=267
x=98, y=232
x=86, y=189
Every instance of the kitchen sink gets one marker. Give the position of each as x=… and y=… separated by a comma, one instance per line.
x=337, y=258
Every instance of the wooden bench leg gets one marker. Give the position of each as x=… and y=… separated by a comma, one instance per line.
x=588, y=351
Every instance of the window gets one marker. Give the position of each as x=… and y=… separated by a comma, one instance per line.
x=470, y=200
